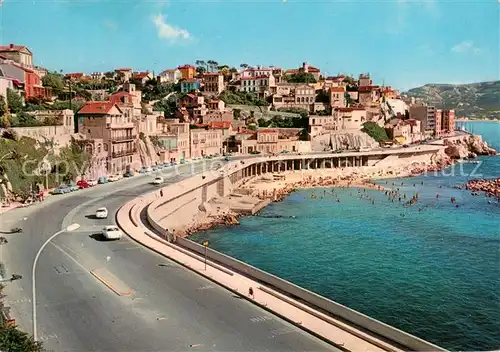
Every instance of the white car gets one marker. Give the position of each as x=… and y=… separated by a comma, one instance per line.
x=92, y=183
x=118, y=177
x=112, y=232
x=158, y=180
x=112, y=178
x=101, y=213
x=148, y=169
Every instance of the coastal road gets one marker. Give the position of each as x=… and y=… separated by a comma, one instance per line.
x=168, y=308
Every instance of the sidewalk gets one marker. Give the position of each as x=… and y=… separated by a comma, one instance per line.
x=335, y=331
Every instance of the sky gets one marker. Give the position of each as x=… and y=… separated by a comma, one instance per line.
x=401, y=43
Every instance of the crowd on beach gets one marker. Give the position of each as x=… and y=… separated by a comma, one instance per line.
x=491, y=187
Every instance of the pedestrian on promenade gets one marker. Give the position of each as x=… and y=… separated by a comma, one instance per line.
x=250, y=292
x=161, y=192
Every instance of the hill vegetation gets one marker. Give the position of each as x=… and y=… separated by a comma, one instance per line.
x=475, y=100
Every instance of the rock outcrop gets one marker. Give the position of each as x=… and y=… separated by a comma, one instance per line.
x=147, y=152
x=346, y=141
x=469, y=146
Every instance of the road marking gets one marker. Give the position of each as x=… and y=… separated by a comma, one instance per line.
x=112, y=282
x=260, y=319
x=44, y=338
x=61, y=269
x=206, y=287
x=70, y=257
x=282, y=331
x=125, y=249
x=19, y=301
x=161, y=318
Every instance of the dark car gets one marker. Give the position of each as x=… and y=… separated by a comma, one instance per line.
x=128, y=174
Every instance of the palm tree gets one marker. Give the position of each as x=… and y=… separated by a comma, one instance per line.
x=243, y=66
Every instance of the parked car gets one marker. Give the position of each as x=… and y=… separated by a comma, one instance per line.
x=158, y=180
x=83, y=184
x=119, y=177
x=112, y=178
x=101, y=213
x=62, y=189
x=128, y=174
x=102, y=180
x=112, y=232
x=92, y=183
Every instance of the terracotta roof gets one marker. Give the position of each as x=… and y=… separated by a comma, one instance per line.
x=123, y=69
x=219, y=124
x=75, y=74
x=97, y=107
x=267, y=131
x=141, y=75
x=293, y=70
x=337, y=89
x=246, y=131
x=116, y=98
x=186, y=67
x=313, y=69
x=13, y=47
x=366, y=88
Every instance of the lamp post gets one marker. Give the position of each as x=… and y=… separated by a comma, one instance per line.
x=70, y=228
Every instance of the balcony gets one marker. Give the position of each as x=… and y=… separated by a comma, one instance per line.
x=124, y=152
x=117, y=126
x=119, y=139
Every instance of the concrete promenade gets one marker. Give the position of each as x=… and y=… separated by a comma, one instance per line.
x=335, y=331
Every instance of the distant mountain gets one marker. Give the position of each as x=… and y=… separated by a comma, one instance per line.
x=477, y=100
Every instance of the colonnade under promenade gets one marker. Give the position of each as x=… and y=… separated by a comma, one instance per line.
x=262, y=167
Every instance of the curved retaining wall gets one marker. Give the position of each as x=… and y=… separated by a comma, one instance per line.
x=181, y=199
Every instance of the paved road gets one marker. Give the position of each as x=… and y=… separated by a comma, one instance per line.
x=170, y=308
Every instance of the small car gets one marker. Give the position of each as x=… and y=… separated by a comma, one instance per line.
x=62, y=189
x=101, y=213
x=92, y=183
x=83, y=184
x=128, y=174
x=112, y=232
x=102, y=180
x=158, y=180
x=112, y=178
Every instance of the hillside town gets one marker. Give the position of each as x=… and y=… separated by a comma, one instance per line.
x=125, y=119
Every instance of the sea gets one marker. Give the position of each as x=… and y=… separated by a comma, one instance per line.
x=431, y=269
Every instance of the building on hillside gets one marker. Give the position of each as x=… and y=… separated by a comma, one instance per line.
x=105, y=120
x=438, y=123
x=216, y=105
x=218, y=116
x=74, y=76
x=181, y=132
x=97, y=76
x=404, y=131
x=142, y=77
x=306, y=68
x=298, y=95
x=20, y=54
x=426, y=114
x=364, y=80
x=205, y=142
x=448, y=121
x=261, y=85
x=124, y=74
x=213, y=83
x=189, y=85
x=65, y=118
x=99, y=157
x=7, y=83
x=256, y=72
x=129, y=100
x=350, y=119
x=319, y=125
x=188, y=72
x=27, y=79
x=274, y=141
x=368, y=94
x=170, y=76
x=337, y=97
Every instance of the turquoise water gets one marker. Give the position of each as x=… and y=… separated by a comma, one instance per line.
x=432, y=269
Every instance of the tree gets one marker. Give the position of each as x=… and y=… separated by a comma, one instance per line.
x=244, y=66
x=14, y=340
x=301, y=77
x=3, y=106
x=375, y=131
x=14, y=101
x=55, y=81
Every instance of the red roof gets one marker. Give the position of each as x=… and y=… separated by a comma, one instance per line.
x=117, y=97
x=97, y=107
x=12, y=47
x=219, y=124
x=313, y=69
x=75, y=74
x=337, y=89
x=141, y=75
x=186, y=67
x=267, y=131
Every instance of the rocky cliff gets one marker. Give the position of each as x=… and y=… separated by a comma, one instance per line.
x=147, y=152
x=469, y=146
x=346, y=141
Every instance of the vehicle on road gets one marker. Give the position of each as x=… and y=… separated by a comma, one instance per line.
x=112, y=178
x=102, y=180
x=83, y=184
x=92, y=183
x=128, y=174
x=101, y=213
x=62, y=189
x=338, y=151
x=112, y=232
x=158, y=180
x=406, y=146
